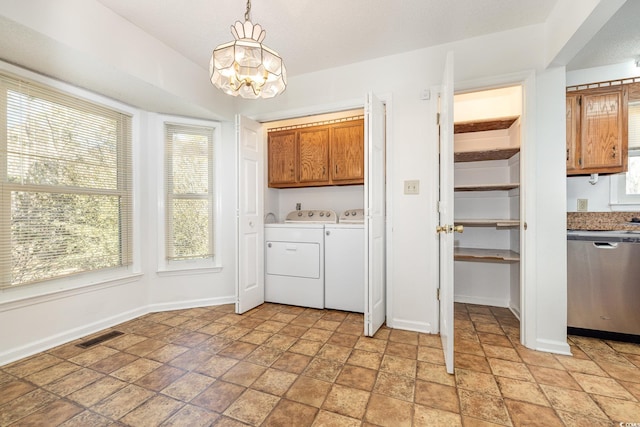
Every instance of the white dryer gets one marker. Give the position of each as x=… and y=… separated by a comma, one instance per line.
x=294, y=258
x=344, y=262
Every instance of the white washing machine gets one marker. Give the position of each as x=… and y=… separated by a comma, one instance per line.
x=344, y=262
x=294, y=258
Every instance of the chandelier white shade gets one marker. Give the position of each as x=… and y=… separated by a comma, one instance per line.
x=245, y=66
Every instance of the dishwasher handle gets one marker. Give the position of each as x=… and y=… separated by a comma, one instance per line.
x=605, y=245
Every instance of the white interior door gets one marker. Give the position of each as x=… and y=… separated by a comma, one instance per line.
x=249, y=221
x=374, y=208
x=445, y=207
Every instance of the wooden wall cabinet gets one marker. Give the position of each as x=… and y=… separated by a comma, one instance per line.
x=347, y=153
x=597, y=126
x=316, y=156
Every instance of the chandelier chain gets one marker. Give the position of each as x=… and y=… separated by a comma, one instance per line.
x=246, y=14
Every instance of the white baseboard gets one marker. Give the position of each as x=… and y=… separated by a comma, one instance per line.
x=470, y=299
x=410, y=325
x=181, y=305
x=35, y=347
x=558, y=347
x=515, y=311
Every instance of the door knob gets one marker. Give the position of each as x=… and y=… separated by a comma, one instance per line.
x=442, y=229
x=458, y=228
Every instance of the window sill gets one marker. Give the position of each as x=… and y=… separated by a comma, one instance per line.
x=21, y=296
x=188, y=271
x=624, y=207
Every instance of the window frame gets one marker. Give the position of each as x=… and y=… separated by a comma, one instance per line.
x=196, y=265
x=619, y=200
x=100, y=277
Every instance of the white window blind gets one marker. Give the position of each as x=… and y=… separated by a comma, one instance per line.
x=65, y=184
x=189, y=161
x=632, y=184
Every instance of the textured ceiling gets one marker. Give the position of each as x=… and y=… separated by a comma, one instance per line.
x=617, y=42
x=311, y=35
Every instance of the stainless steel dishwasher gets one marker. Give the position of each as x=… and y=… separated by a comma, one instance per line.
x=603, y=282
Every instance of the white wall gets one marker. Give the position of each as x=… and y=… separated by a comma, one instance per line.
x=546, y=219
x=48, y=314
x=412, y=148
x=414, y=152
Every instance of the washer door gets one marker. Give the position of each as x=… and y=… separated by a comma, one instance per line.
x=295, y=259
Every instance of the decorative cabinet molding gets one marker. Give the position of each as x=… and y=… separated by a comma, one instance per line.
x=316, y=156
x=597, y=126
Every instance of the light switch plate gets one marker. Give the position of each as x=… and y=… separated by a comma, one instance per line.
x=412, y=187
x=583, y=205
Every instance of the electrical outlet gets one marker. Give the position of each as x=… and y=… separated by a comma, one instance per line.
x=583, y=205
x=412, y=187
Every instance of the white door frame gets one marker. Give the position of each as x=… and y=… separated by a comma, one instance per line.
x=351, y=104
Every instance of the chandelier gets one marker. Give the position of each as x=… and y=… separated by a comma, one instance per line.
x=245, y=66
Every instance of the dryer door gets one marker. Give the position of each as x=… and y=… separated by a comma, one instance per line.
x=293, y=259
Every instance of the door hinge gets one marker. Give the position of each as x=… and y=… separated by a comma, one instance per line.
x=438, y=119
x=580, y=101
x=438, y=294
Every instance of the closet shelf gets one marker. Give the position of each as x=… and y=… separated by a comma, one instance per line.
x=485, y=255
x=499, y=223
x=487, y=187
x=481, y=155
x=484, y=125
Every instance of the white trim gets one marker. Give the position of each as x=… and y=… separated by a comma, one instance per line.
x=472, y=299
x=351, y=104
x=21, y=301
x=73, y=334
x=314, y=110
x=182, y=305
x=411, y=325
x=619, y=200
x=157, y=134
x=68, y=336
x=557, y=347
x=188, y=271
x=98, y=277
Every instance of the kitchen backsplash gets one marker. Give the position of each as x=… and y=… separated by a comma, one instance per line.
x=602, y=221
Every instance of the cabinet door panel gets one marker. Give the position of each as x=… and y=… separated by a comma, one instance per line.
x=282, y=158
x=314, y=154
x=602, y=130
x=347, y=151
x=573, y=132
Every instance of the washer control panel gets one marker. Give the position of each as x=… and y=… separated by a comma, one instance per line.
x=352, y=216
x=316, y=216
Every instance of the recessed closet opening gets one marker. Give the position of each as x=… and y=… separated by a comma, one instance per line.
x=488, y=197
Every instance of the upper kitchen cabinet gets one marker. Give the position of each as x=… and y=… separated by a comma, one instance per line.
x=597, y=130
x=347, y=153
x=313, y=150
x=283, y=165
x=313, y=156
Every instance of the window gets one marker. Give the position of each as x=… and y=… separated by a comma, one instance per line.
x=65, y=185
x=625, y=187
x=190, y=195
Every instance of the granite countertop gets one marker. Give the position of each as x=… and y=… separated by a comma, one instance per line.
x=602, y=221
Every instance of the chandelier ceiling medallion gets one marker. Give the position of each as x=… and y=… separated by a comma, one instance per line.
x=245, y=66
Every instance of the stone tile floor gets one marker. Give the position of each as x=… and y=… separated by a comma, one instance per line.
x=289, y=366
